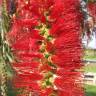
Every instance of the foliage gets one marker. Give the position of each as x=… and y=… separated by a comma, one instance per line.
x=4, y=49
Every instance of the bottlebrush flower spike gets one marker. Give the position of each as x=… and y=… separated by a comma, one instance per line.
x=92, y=9
x=47, y=48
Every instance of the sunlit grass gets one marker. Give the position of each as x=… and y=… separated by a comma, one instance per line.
x=90, y=90
x=93, y=57
x=90, y=68
x=90, y=54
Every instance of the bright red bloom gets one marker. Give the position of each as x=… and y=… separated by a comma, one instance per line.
x=37, y=55
x=72, y=86
x=49, y=47
x=57, y=9
x=29, y=85
x=25, y=56
x=47, y=92
x=92, y=9
x=63, y=73
x=33, y=76
x=45, y=68
x=31, y=65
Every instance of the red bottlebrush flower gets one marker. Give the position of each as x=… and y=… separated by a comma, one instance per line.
x=20, y=3
x=61, y=83
x=46, y=92
x=66, y=43
x=64, y=93
x=29, y=85
x=28, y=22
x=33, y=76
x=74, y=93
x=19, y=26
x=65, y=60
x=63, y=73
x=43, y=19
x=49, y=47
x=45, y=68
x=67, y=82
x=24, y=45
x=48, y=4
x=92, y=9
x=15, y=29
x=28, y=56
x=36, y=55
x=64, y=40
x=31, y=65
x=65, y=26
x=56, y=10
x=27, y=80
x=62, y=6
x=27, y=44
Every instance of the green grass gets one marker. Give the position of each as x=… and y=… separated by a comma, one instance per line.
x=93, y=57
x=90, y=68
x=90, y=90
x=90, y=54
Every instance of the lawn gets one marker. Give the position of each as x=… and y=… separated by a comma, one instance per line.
x=93, y=57
x=90, y=54
x=90, y=68
x=90, y=90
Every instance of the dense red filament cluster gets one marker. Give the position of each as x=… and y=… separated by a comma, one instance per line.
x=46, y=43
x=92, y=9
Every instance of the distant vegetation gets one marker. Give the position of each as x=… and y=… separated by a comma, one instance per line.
x=90, y=68
x=90, y=54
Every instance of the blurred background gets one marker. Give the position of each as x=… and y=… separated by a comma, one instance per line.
x=90, y=65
